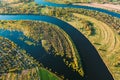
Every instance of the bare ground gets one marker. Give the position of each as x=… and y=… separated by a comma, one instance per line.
x=98, y=5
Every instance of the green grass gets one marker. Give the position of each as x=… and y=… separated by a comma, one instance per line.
x=46, y=75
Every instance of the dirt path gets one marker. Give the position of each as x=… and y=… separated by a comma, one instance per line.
x=98, y=5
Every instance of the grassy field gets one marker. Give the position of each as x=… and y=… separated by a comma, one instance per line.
x=106, y=41
x=47, y=75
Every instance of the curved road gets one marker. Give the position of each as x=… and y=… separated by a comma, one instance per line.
x=93, y=65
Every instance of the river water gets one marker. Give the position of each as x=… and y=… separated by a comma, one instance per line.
x=93, y=65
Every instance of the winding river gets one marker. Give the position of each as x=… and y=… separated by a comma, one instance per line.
x=42, y=2
x=93, y=65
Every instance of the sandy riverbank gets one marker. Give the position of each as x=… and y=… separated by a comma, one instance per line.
x=98, y=5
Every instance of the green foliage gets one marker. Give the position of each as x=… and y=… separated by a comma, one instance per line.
x=12, y=58
x=67, y=13
x=54, y=40
x=46, y=75
x=16, y=64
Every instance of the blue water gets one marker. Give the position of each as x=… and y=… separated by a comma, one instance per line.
x=42, y=2
x=93, y=65
x=87, y=52
x=36, y=51
x=48, y=60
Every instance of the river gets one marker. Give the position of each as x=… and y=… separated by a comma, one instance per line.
x=93, y=65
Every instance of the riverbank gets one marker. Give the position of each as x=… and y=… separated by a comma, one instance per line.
x=103, y=6
x=58, y=45
x=83, y=1
x=105, y=40
x=85, y=55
